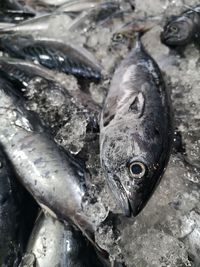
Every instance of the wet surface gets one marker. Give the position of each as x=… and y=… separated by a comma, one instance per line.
x=167, y=232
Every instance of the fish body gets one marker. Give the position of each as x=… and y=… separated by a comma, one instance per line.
x=41, y=23
x=53, y=55
x=13, y=11
x=53, y=243
x=183, y=29
x=95, y=16
x=135, y=130
x=54, y=179
x=78, y=6
x=11, y=215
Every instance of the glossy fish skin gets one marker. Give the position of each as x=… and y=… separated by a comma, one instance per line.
x=56, y=181
x=53, y=243
x=135, y=130
x=14, y=12
x=183, y=29
x=11, y=216
x=51, y=54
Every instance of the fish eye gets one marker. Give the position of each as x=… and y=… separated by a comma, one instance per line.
x=174, y=29
x=137, y=169
x=118, y=37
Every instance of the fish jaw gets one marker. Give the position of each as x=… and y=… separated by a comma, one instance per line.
x=119, y=193
x=131, y=203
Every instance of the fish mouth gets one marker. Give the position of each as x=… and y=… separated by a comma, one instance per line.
x=120, y=194
x=130, y=202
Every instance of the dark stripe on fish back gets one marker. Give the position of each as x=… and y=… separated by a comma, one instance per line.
x=54, y=59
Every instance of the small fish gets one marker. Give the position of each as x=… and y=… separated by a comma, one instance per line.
x=11, y=215
x=183, y=29
x=53, y=55
x=51, y=175
x=53, y=243
x=135, y=130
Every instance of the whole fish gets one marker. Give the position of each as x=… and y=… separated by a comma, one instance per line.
x=12, y=227
x=53, y=177
x=53, y=243
x=52, y=54
x=183, y=29
x=135, y=130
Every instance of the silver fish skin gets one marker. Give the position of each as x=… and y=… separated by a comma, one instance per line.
x=53, y=243
x=12, y=220
x=66, y=58
x=78, y=6
x=41, y=23
x=54, y=179
x=135, y=130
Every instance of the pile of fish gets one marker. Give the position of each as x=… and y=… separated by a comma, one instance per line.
x=44, y=176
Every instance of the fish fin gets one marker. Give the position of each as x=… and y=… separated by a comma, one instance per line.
x=138, y=105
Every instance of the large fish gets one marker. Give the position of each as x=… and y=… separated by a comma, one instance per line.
x=12, y=227
x=53, y=243
x=183, y=29
x=53, y=55
x=52, y=177
x=136, y=130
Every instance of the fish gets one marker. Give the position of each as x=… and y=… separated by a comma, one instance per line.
x=53, y=243
x=52, y=54
x=183, y=29
x=12, y=219
x=14, y=12
x=136, y=130
x=95, y=16
x=41, y=23
x=55, y=179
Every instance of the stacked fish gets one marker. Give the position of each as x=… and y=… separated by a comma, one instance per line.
x=134, y=129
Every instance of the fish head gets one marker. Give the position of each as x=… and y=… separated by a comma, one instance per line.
x=178, y=31
x=133, y=166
